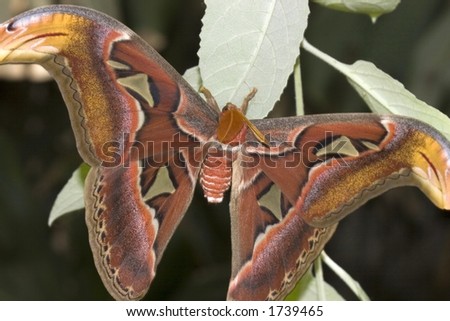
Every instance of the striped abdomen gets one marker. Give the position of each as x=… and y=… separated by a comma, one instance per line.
x=215, y=174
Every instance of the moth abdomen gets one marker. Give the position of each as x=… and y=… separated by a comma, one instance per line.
x=215, y=174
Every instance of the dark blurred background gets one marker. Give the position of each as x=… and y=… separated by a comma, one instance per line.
x=397, y=245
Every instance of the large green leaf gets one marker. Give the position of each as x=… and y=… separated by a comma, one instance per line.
x=247, y=44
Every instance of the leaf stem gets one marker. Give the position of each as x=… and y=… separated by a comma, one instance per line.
x=348, y=280
x=320, y=283
x=299, y=104
x=323, y=56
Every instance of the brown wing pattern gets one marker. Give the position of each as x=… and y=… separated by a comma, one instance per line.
x=341, y=161
x=272, y=246
x=129, y=108
x=134, y=211
x=287, y=199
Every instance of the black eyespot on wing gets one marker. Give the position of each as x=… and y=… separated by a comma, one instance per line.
x=11, y=27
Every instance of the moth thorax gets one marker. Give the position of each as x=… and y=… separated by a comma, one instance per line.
x=215, y=174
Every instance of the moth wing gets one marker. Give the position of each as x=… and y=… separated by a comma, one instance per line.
x=286, y=200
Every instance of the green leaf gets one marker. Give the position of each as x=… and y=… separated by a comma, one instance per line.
x=312, y=287
x=372, y=8
x=307, y=289
x=71, y=197
x=192, y=76
x=383, y=94
x=246, y=44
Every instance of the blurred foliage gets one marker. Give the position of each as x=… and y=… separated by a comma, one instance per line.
x=397, y=246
